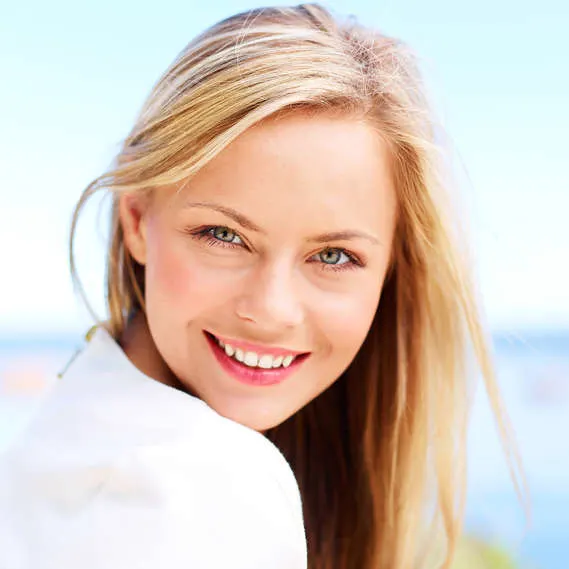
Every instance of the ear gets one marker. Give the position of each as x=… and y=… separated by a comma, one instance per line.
x=132, y=214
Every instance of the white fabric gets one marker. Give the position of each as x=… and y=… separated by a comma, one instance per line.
x=118, y=471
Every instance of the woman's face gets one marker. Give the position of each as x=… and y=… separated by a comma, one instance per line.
x=278, y=249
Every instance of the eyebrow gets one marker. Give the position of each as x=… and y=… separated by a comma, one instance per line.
x=245, y=222
x=229, y=212
x=346, y=235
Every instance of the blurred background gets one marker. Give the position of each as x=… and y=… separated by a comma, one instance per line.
x=73, y=78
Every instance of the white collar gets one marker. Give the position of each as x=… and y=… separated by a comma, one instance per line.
x=104, y=406
x=108, y=431
x=103, y=394
x=101, y=373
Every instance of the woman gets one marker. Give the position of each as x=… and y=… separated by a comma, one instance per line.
x=285, y=267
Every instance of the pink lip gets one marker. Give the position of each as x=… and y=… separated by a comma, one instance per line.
x=258, y=349
x=253, y=375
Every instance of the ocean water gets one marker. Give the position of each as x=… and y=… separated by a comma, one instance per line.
x=533, y=371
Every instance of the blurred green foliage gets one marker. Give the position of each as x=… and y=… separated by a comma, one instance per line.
x=473, y=553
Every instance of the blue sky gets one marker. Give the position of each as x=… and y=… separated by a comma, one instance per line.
x=75, y=74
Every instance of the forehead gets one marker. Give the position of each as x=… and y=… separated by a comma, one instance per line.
x=311, y=169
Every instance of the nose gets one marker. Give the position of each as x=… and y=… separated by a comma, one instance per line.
x=270, y=298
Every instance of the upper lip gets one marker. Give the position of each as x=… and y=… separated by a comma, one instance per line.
x=258, y=348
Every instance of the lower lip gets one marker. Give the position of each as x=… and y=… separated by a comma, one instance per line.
x=253, y=375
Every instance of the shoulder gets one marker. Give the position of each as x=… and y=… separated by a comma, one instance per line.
x=247, y=453
x=179, y=504
x=214, y=505
x=121, y=471
x=214, y=496
x=176, y=504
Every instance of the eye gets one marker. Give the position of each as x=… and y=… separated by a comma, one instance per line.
x=218, y=236
x=336, y=259
x=333, y=257
x=225, y=234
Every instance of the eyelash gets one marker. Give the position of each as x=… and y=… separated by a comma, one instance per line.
x=206, y=234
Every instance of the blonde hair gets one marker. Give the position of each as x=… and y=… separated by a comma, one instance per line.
x=382, y=451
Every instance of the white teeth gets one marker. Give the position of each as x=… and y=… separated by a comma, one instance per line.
x=266, y=362
x=251, y=359
x=277, y=361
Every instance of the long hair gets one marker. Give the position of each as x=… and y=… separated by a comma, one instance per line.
x=379, y=456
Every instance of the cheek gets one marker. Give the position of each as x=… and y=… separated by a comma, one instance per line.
x=176, y=280
x=345, y=322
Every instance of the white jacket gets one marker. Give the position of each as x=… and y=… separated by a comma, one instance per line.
x=118, y=471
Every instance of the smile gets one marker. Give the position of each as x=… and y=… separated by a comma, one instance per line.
x=252, y=367
x=252, y=359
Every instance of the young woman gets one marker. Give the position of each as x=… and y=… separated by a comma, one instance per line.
x=285, y=273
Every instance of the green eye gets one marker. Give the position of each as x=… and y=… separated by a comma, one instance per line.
x=219, y=236
x=225, y=234
x=333, y=257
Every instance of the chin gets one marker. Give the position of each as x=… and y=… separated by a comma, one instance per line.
x=260, y=424
x=254, y=419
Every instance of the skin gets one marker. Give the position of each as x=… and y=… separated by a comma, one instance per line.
x=295, y=178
